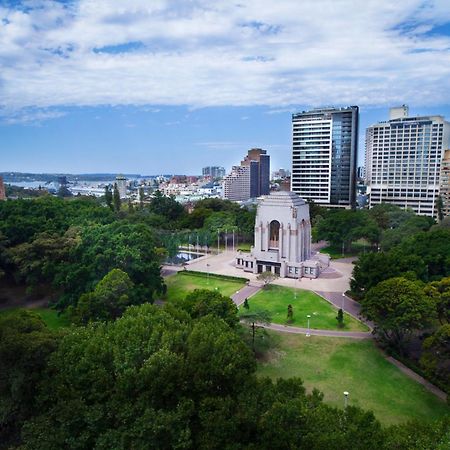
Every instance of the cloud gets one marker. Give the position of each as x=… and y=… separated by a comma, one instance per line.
x=203, y=53
x=27, y=116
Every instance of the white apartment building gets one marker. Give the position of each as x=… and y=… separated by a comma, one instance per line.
x=324, y=151
x=236, y=185
x=445, y=183
x=403, y=160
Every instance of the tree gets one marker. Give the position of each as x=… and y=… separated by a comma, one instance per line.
x=290, y=313
x=165, y=206
x=398, y=307
x=342, y=227
x=435, y=359
x=142, y=381
x=116, y=198
x=256, y=320
x=440, y=208
x=246, y=305
x=25, y=346
x=439, y=292
x=202, y=302
x=267, y=277
x=107, y=301
x=340, y=318
x=141, y=197
x=109, y=198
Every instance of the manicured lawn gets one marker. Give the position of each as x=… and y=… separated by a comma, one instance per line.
x=335, y=365
x=276, y=299
x=359, y=247
x=245, y=247
x=179, y=285
x=49, y=316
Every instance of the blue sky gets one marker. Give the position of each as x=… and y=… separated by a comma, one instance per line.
x=155, y=87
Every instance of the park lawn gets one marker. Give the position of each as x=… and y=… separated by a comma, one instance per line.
x=357, y=248
x=179, y=285
x=335, y=365
x=276, y=299
x=49, y=316
x=245, y=246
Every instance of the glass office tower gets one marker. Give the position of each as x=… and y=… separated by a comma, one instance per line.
x=324, y=152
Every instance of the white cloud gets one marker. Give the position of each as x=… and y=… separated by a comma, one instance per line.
x=204, y=53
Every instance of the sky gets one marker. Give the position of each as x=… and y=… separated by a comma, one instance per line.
x=169, y=86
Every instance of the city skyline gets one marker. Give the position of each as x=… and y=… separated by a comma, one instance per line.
x=159, y=88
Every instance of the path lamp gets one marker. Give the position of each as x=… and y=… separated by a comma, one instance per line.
x=218, y=240
x=345, y=399
x=226, y=240
x=308, y=333
x=207, y=273
x=343, y=301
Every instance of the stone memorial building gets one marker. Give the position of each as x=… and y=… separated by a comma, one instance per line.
x=282, y=238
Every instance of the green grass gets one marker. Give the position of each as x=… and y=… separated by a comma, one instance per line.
x=245, y=247
x=335, y=365
x=276, y=299
x=49, y=316
x=178, y=286
x=357, y=248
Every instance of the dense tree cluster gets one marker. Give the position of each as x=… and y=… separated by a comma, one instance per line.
x=177, y=376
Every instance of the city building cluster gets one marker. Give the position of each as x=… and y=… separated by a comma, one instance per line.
x=407, y=163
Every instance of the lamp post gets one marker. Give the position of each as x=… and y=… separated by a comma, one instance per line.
x=226, y=240
x=308, y=334
x=218, y=241
x=343, y=301
x=207, y=273
x=345, y=399
x=233, y=240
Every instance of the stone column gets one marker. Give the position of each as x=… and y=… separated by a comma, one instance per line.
x=289, y=242
x=281, y=241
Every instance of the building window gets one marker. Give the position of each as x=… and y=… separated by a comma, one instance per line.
x=274, y=234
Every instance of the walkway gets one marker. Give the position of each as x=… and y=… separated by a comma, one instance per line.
x=327, y=333
x=245, y=292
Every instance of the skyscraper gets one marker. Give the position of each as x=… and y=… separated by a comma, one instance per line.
x=121, y=182
x=2, y=190
x=213, y=172
x=403, y=160
x=324, y=152
x=249, y=180
x=444, y=188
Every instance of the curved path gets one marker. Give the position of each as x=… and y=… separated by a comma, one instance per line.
x=328, y=333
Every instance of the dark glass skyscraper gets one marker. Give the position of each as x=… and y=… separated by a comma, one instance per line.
x=324, y=152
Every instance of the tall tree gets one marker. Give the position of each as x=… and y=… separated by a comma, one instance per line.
x=116, y=198
x=25, y=346
x=109, y=197
x=398, y=307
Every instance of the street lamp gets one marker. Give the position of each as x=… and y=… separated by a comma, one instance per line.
x=218, y=240
x=207, y=273
x=343, y=301
x=308, y=334
x=345, y=399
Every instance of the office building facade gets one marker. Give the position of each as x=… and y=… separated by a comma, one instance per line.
x=324, y=152
x=403, y=160
x=444, y=184
x=249, y=180
x=121, y=183
x=213, y=172
x=2, y=190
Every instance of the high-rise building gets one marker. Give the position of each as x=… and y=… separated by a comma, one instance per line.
x=403, y=160
x=213, y=172
x=249, y=180
x=324, y=152
x=259, y=162
x=444, y=183
x=2, y=190
x=236, y=185
x=121, y=182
